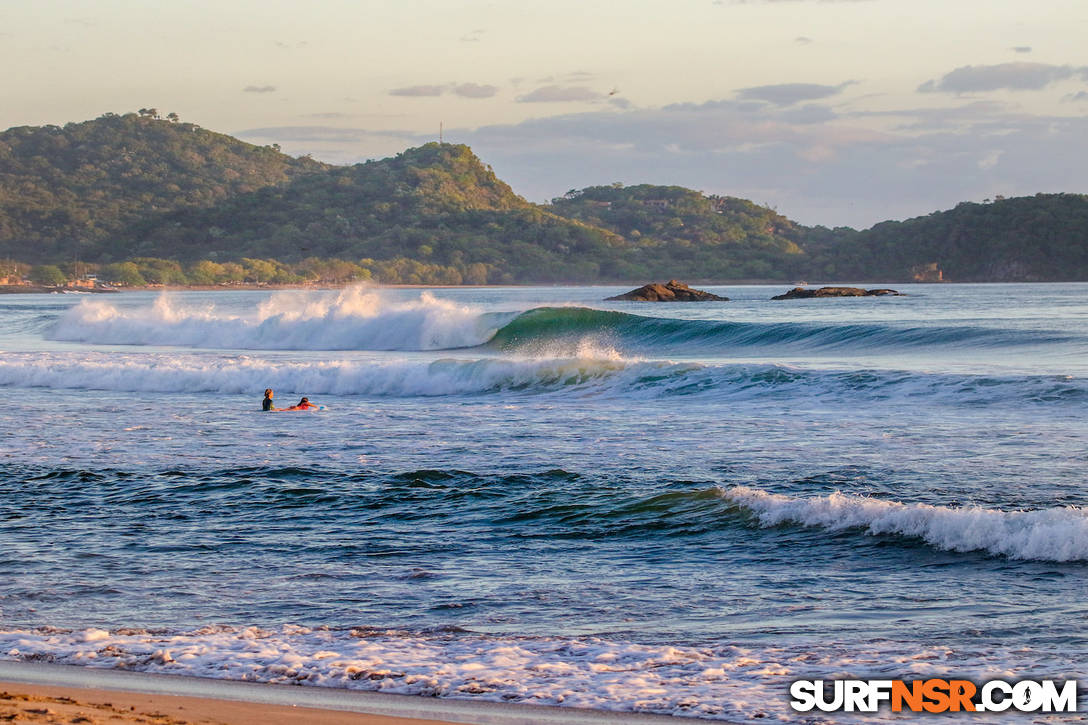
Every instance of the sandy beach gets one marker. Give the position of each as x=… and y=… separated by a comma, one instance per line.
x=20, y=702
x=33, y=692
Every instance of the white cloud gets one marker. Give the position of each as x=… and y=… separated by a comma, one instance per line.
x=475, y=90
x=816, y=164
x=259, y=89
x=1020, y=76
x=837, y=171
x=418, y=91
x=785, y=94
x=561, y=94
x=464, y=90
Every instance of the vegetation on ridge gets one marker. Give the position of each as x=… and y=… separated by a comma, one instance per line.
x=65, y=191
x=146, y=200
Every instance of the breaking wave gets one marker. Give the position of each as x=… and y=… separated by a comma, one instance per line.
x=356, y=318
x=589, y=371
x=1056, y=534
x=361, y=318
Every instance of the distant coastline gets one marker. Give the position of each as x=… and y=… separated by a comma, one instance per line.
x=320, y=286
x=135, y=199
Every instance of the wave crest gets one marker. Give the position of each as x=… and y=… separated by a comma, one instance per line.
x=364, y=318
x=356, y=318
x=585, y=369
x=1057, y=534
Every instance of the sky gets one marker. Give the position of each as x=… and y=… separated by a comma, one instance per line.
x=833, y=112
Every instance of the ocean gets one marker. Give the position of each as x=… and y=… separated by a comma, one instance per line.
x=533, y=495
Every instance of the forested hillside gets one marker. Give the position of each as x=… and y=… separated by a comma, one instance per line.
x=699, y=236
x=436, y=204
x=1024, y=239
x=152, y=200
x=64, y=191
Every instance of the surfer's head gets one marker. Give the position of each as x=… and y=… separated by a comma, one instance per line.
x=304, y=401
x=268, y=392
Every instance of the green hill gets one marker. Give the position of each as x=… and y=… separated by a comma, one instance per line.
x=1023, y=239
x=437, y=204
x=152, y=198
x=63, y=191
x=677, y=232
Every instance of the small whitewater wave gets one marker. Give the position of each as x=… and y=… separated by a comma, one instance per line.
x=733, y=682
x=596, y=372
x=356, y=318
x=1057, y=534
x=410, y=378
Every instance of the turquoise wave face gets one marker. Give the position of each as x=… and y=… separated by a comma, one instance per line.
x=634, y=334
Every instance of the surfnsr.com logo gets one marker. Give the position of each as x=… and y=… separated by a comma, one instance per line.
x=934, y=695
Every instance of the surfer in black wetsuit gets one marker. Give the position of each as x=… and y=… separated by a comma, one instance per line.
x=267, y=404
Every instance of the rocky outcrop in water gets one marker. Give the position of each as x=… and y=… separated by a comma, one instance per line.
x=802, y=293
x=671, y=291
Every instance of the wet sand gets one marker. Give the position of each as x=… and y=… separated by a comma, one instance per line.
x=23, y=703
x=33, y=692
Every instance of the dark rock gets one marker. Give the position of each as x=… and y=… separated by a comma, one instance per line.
x=671, y=291
x=801, y=293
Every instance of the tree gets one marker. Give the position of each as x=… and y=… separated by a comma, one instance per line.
x=207, y=272
x=126, y=274
x=475, y=273
x=48, y=275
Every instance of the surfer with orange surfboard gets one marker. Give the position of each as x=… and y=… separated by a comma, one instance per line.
x=303, y=404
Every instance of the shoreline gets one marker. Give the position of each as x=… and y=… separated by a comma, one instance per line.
x=110, y=693
x=33, y=289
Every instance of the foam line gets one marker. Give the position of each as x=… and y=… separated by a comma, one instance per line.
x=356, y=318
x=1056, y=534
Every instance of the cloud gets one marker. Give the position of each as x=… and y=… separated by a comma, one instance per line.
x=259, y=89
x=475, y=90
x=561, y=94
x=1021, y=49
x=1079, y=96
x=464, y=90
x=473, y=36
x=332, y=143
x=815, y=164
x=418, y=91
x=802, y=40
x=579, y=76
x=786, y=94
x=1018, y=76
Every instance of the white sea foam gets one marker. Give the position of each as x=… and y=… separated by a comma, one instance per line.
x=595, y=371
x=582, y=365
x=1056, y=534
x=356, y=318
x=737, y=683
